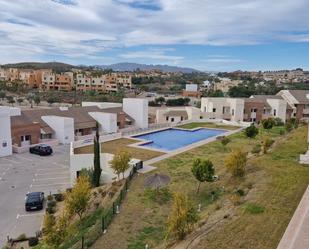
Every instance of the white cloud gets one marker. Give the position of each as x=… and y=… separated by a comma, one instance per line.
x=80, y=28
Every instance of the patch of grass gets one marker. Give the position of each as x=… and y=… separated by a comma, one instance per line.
x=161, y=196
x=145, y=236
x=208, y=125
x=253, y=208
x=117, y=145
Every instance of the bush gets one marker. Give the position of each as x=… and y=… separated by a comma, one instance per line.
x=59, y=197
x=251, y=131
x=268, y=123
x=267, y=143
x=50, y=197
x=33, y=241
x=22, y=237
x=225, y=141
x=291, y=124
x=256, y=149
x=51, y=203
x=278, y=122
x=50, y=210
x=240, y=192
x=236, y=162
x=281, y=132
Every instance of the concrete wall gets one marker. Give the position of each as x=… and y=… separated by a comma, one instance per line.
x=62, y=126
x=107, y=121
x=193, y=113
x=237, y=109
x=138, y=110
x=5, y=129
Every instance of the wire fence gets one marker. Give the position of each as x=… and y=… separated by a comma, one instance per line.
x=96, y=225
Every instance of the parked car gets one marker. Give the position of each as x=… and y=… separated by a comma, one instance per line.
x=34, y=201
x=42, y=150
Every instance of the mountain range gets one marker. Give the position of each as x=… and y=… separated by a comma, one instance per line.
x=125, y=66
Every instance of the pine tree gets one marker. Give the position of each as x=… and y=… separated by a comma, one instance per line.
x=96, y=161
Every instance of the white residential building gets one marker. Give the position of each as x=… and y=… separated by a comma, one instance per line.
x=223, y=108
x=5, y=129
x=138, y=110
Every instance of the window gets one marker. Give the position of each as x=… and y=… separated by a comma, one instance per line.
x=172, y=119
x=166, y=118
x=181, y=118
x=253, y=110
x=213, y=109
x=275, y=112
x=233, y=112
x=4, y=144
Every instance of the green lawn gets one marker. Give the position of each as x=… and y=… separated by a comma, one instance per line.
x=208, y=125
x=273, y=187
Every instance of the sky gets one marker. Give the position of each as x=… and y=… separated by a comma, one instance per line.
x=210, y=35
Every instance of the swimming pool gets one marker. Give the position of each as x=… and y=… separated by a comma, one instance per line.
x=172, y=139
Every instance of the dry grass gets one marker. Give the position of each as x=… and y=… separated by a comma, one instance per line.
x=121, y=144
x=273, y=185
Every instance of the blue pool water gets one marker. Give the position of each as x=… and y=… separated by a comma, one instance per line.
x=172, y=139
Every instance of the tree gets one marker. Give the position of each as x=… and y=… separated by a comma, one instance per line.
x=182, y=217
x=203, y=170
x=77, y=201
x=268, y=123
x=120, y=163
x=251, y=131
x=236, y=162
x=50, y=100
x=96, y=160
x=11, y=101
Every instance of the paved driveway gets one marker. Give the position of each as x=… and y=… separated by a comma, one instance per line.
x=23, y=173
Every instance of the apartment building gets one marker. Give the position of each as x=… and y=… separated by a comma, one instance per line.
x=177, y=114
x=57, y=82
x=223, y=108
x=68, y=124
x=259, y=107
x=298, y=100
x=87, y=83
x=124, y=80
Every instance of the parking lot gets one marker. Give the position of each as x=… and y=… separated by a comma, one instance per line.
x=24, y=173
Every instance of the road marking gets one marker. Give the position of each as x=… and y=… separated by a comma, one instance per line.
x=12, y=161
x=49, y=184
x=44, y=174
x=29, y=215
x=54, y=178
x=24, y=158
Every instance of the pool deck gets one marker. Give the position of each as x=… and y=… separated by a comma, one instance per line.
x=148, y=164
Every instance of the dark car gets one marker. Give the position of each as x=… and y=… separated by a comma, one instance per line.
x=34, y=201
x=42, y=150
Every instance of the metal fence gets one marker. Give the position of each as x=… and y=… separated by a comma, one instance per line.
x=96, y=225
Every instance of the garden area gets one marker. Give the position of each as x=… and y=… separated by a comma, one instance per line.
x=251, y=211
x=208, y=125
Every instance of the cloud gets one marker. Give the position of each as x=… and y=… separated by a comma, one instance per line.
x=84, y=29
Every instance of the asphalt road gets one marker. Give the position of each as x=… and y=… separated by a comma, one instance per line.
x=24, y=173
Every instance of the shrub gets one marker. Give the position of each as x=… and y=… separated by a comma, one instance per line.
x=33, y=241
x=236, y=162
x=51, y=204
x=278, y=122
x=240, y=192
x=291, y=124
x=50, y=210
x=267, y=143
x=253, y=208
x=288, y=126
x=50, y=197
x=59, y=197
x=281, y=132
x=268, y=123
x=251, y=131
x=225, y=141
x=256, y=149
x=22, y=237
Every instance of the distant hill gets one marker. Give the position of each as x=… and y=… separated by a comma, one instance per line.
x=56, y=66
x=126, y=66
